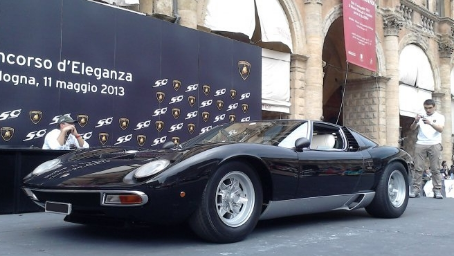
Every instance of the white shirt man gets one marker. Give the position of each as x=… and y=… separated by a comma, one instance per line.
x=428, y=134
x=429, y=146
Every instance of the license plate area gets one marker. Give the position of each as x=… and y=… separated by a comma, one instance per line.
x=57, y=207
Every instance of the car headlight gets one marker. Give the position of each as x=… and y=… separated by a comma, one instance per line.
x=47, y=166
x=151, y=168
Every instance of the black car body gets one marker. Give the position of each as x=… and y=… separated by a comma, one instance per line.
x=223, y=181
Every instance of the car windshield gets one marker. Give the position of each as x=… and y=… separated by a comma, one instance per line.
x=280, y=133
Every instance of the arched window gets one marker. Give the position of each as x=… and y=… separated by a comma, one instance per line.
x=416, y=80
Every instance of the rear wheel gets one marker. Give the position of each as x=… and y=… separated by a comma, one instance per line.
x=230, y=206
x=391, y=195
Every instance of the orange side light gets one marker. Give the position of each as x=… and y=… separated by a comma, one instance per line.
x=130, y=199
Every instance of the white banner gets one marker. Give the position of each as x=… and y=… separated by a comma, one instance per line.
x=415, y=69
x=122, y=2
x=449, y=188
x=236, y=16
x=274, y=23
x=414, y=106
x=275, y=81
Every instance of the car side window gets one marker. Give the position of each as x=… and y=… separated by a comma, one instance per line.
x=326, y=137
x=289, y=141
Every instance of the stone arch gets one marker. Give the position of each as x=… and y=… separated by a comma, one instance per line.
x=296, y=26
x=336, y=13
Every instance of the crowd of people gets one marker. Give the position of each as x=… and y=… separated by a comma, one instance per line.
x=446, y=173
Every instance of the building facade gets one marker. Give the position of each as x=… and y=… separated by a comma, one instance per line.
x=308, y=75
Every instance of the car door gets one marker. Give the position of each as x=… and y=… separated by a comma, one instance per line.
x=328, y=168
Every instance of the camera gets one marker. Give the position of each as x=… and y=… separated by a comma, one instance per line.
x=69, y=132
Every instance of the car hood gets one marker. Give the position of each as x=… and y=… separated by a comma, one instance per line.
x=106, y=166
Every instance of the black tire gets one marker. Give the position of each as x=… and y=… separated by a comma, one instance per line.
x=223, y=215
x=391, y=195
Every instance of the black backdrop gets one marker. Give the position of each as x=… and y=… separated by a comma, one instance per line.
x=129, y=79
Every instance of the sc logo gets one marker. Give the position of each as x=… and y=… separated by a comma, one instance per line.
x=35, y=134
x=10, y=114
x=105, y=121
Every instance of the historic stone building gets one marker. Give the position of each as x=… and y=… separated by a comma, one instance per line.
x=307, y=75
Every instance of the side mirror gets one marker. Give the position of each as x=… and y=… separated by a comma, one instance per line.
x=302, y=143
x=168, y=145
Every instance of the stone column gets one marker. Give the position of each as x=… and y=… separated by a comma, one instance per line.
x=313, y=102
x=297, y=86
x=452, y=10
x=392, y=23
x=161, y=9
x=146, y=6
x=187, y=10
x=445, y=47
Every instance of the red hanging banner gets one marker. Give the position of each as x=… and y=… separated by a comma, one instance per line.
x=359, y=33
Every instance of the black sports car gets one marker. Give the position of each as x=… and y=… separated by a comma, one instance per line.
x=222, y=182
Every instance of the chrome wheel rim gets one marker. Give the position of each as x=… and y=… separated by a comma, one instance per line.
x=235, y=199
x=397, y=188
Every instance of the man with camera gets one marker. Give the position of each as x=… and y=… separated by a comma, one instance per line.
x=65, y=137
x=429, y=145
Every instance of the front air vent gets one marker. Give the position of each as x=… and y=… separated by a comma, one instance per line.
x=352, y=144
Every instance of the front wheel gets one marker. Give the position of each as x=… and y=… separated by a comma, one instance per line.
x=391, y=195
x=231, y=204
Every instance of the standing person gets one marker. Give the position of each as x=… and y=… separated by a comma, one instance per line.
x=428, y=144
x=451, y=172
x=444, y=170
x=65, y=137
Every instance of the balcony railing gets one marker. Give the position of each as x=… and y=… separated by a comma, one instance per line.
x=428, y=22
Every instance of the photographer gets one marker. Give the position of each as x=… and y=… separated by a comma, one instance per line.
x=430, y=126
x=65, y=137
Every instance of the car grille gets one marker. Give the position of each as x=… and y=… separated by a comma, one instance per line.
x=86, y=199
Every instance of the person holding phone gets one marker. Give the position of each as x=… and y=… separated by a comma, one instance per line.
x=65, y=137
x=428, y=144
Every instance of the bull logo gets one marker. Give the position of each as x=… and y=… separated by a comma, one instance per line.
x=82, y=120
x=244, y=68
x=160, y=96
x=7, y=133
x=192, y=101
x=103, y=137
x=244, y=107
x=35, y=116
x=232, y=94
x=219, y=104
x=232, y=118
x=124, y=122
x=191, y=128
x=159, y=125
x=176, y=140
x=141, y=139
x=176, y=112
x=176, y=85
x=206, y=89
x=205, y=116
